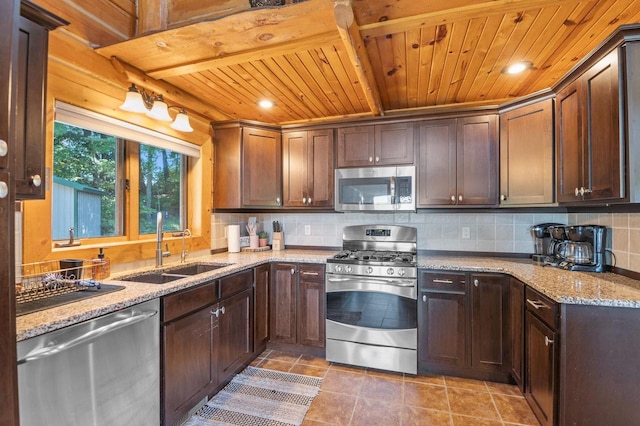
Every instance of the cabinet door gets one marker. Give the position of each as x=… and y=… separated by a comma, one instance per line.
x=283, y=302
x=602, y=132
x=295, y=166
x=477, y=165
x=261, y=307
x=320, y=175
x=261, y=168
x=188, y=363
x=235, y=328
x=311, y=306
x=393, y=144
x=30, y=97
x=436, y=163
x=490, y=343
x=227, y=168
x=443, y=328
x=356, y=146
x=516, y=315
x=542, y=365
x=526, y=155
x=570, y=156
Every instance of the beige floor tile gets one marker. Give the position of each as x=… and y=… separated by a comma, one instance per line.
x=459, y=382
x=426, y=396
x=473, y=421
x=385, y=374
x=272, y=364
x=414, y=416
x=504, y=389
x=472, y=403
x=433, y=379
x=382, y=389
x=343, y=367
x=334, y=408
x=309, y=370
x=514, y=409
x=348, y=382
x=376, y=413
x=283, y=356
x=313, y=360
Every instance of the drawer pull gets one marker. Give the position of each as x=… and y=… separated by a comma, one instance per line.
x=437, y=280
x=315, y=274
x=537, y=304
x=476, y=283
x=547, y=341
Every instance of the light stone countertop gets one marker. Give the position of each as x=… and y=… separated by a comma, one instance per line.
x=562, y=286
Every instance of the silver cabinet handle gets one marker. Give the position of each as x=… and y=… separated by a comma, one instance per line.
x=218, y=311
x=460, y=197
x=222, y=310
x=278, y=200
x=85, y=338
x=4, y=189
x=371, y=159
x=453, y=198
x=503, y=197
x=547, y=341
x=293, y=271
x=315, y=274
x=537, y=304
x=309, y=200
x=577, y=192
x=4, y=148
x=377, y=159
x=304, y=200
x=440, y=281
x=476, y=283
x=36, y=180
x=424, y=298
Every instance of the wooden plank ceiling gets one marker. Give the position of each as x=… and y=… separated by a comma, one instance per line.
x=396, y=55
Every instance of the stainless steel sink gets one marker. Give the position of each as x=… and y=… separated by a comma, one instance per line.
x=176, y=273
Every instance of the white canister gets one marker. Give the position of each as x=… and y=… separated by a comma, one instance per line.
x=253, y=241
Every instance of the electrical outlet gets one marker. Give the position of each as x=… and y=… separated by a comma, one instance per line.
x=466, y=233
x=307, y=230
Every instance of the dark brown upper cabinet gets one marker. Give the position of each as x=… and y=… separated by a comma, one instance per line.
x=458, y=162
x=30, y=72
x=526, y=155
x=588, y=136
x=307, y=168
x=379, y=145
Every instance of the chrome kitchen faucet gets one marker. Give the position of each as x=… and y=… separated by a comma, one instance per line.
x=159, y=253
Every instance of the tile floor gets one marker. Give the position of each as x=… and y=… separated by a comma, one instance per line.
x=356, y=396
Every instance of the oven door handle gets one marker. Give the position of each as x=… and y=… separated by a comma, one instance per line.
x=397, y=283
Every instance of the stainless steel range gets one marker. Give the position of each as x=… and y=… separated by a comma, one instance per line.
x=372, y=297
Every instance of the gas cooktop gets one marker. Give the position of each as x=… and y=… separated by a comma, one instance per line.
x=374, y=257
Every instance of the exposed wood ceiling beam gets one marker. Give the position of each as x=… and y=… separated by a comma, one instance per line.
x=256, y=54
x=182, y=98
x=354, y=45
x=446, y=16
x=152, y=16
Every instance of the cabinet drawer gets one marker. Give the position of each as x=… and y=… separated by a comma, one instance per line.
x=443, y=281
x=542, y=307
x=235, y=283
x=186, y=301
x=313, y=273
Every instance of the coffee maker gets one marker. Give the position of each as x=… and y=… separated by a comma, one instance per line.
x=542, y=242
x=578, y=248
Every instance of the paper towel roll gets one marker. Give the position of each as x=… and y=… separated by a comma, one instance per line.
x=233, y=238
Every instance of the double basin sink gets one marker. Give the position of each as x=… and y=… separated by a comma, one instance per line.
x=174, y=273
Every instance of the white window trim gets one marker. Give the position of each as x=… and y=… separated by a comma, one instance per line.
x=90, y=120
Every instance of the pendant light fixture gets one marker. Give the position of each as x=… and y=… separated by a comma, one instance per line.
x=138, y=100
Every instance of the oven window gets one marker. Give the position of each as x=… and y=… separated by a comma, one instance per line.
x=365, y=191
x=372, y=310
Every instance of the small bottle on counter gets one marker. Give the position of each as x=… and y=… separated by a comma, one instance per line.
x=101, y=268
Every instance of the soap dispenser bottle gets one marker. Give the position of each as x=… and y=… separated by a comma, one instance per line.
x=101, y=267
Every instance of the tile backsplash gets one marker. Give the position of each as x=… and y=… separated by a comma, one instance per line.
x=494, y=232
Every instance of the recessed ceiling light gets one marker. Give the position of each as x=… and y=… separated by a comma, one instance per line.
x=265, y=103
x=517, y=67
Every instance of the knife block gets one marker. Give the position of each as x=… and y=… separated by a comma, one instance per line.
x=278, y=241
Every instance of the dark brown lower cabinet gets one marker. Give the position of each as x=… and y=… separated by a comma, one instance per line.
x=261, y=285
x=298, y=305
x=542, y=369
x=235, y=334
x=463, y=325
x=189, y=372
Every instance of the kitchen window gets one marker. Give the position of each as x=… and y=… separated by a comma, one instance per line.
x=110, y=178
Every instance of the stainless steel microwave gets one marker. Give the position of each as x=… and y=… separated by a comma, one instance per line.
x=376, y=189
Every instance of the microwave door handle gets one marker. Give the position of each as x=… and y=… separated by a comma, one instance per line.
x=392, y=187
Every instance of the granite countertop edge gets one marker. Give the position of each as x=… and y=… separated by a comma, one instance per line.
x=567, y=287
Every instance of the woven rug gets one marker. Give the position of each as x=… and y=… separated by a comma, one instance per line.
x=260, y=397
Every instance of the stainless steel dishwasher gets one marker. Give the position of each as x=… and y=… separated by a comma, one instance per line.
x=105, y=371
